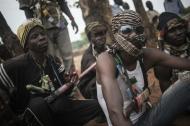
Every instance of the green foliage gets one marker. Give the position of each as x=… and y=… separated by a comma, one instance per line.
x=80, y=43
x=186, y=10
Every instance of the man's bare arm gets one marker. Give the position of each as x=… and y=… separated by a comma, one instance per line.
x=163, y=59
x=66, y=10
x=106, y=76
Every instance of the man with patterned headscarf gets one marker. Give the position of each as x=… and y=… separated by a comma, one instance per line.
x=31, y=77
x=122, y=82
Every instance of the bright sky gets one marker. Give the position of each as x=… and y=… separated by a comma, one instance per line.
x=14, y=16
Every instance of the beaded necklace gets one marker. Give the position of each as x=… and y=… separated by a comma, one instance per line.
x=41, y=67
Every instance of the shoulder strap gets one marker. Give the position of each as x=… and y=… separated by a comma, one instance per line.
x=144, y=73
x=55, y=71
x=124, y=74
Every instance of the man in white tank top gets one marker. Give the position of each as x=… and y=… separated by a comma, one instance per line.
x=120, y=77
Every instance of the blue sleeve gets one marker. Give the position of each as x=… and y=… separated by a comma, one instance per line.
x=181, y=7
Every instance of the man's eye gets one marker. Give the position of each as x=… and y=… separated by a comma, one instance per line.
x=34, y=36
x=100, y=33
x=126, y=31
x=42, y=33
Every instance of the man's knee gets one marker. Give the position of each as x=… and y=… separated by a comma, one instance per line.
x=38, y=111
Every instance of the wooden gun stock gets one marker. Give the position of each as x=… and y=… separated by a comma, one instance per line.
x=66, y=86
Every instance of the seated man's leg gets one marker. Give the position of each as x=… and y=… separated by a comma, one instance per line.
x=38, y=113
x=174, y=101
x=75, y=112
x=86, y=110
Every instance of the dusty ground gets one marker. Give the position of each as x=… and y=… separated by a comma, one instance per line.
x=154, y=97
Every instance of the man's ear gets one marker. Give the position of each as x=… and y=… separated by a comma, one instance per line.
x=26, y=46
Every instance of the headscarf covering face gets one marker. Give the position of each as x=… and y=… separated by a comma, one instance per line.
x=90, y=27
x=25, y=28
x=125, y=42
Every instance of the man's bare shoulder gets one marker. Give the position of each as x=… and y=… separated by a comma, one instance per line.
x=103, y=56
x=105, y=68
x=105, y=62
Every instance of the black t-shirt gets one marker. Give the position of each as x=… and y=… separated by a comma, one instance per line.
x=22, y=76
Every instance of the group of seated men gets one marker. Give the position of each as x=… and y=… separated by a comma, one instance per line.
x=118, y=84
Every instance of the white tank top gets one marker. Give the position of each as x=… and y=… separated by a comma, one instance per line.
x=137, y=72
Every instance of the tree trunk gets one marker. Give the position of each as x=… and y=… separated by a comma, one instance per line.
x=149, y=29
x=97, y=10
x=9, y=39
